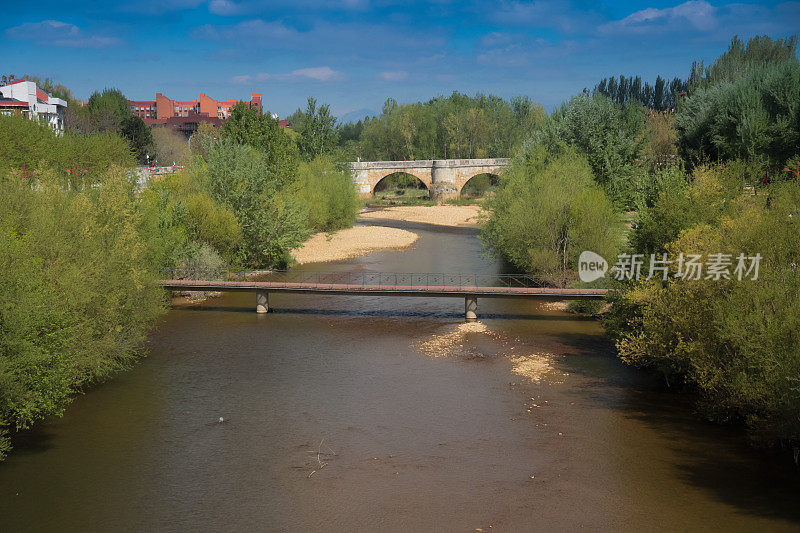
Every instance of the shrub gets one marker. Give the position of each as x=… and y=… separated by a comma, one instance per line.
x=76, y=295
x=548, y=210
x=735, y=342
x=329, y=194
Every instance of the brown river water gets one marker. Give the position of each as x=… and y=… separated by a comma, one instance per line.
x=336, y=420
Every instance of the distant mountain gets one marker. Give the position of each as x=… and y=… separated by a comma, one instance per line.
x=358, y=114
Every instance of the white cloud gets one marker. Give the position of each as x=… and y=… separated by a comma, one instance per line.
x=517, y=50
x=496, y=38
x=394, y=75
x=327, y=41
x=541, y=14
x=225, y=7
x=246, y=78
x=57, y=33
x=256, y=30
x=157, y=7
x=699, y=14
x=249, y=7
x=316, y=73
x=313, y=73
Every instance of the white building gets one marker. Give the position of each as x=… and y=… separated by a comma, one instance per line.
x=24, y=97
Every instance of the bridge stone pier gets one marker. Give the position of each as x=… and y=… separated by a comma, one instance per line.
x=444, y=178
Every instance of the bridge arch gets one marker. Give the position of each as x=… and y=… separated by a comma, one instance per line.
x=480, y=182
x=383, y=181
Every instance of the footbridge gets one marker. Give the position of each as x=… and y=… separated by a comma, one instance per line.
x=444, y=178
x=467, y=286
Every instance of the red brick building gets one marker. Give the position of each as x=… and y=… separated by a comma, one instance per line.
x=185, y=116
x=162, y=107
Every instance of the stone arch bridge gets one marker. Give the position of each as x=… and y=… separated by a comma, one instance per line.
x=444, y=178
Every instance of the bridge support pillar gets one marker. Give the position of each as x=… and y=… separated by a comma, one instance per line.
x=262, y=302
x=471, y=308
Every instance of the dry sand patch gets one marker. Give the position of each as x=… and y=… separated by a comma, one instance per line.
x=534, y=366
x=352, y=242
x=441, y=215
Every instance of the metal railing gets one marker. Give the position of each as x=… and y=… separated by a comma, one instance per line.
x=371, y=278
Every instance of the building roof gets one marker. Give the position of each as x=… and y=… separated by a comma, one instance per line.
x=10, y=102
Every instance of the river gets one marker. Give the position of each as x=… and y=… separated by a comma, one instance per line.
x=335, y=419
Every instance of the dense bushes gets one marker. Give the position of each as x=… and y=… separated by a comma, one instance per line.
x=548, y=210
x=329, y=193
x=77, y=291
x=26, y=143
x=735, y=342
x=272, y=217
x=80, y=252
x=732, y=342
x=756, y=117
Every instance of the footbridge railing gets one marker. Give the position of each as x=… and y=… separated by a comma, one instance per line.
x=372, y=278
x=431, y=284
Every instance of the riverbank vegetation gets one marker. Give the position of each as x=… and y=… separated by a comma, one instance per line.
x=549, y=209
x=77, y=292
x=705, y=170
x=82, y=243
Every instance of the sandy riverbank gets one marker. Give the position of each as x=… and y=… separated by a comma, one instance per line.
x=361, y=240
x=441, y=215
x=352, y=242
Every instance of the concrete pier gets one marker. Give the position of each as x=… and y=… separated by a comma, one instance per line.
x=471, y=308
x=262, y=302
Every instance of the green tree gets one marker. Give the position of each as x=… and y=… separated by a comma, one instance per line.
x=754, y=117
x=548, y=210
x=732, y=341
x=27, y=143
x=609, y=135
x=740, y=59
x=317, y=128
x=450, y=127
x=109, y=108
x=259, y=130
x=329, y=193
x=83, y=250
x=269, y=211
x=138, y=135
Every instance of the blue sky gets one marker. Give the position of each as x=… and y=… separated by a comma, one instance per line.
x=353, y=54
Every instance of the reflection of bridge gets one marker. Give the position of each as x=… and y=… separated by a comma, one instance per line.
x=467, y=286
x=443, y=177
